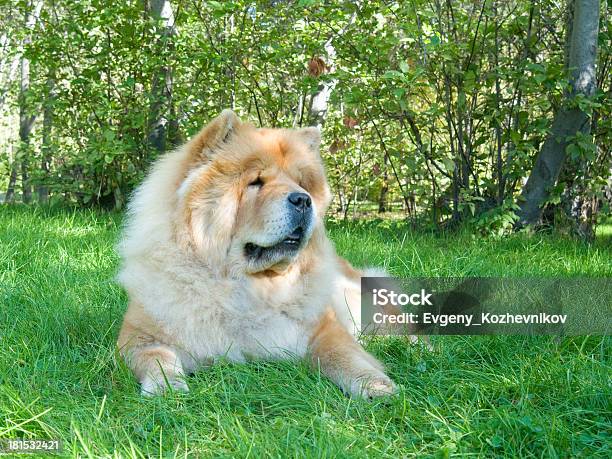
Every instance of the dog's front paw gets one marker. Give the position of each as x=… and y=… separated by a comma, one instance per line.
x=153, y=386
x=379, y=385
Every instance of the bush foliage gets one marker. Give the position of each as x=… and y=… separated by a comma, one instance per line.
x=436, y=109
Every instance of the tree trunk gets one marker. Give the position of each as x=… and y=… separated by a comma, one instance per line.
x=580, y=201
x=43, y=189
x=570, y=119
x=161, y=92
x=320, y=100
x=26, y=121
x=24, y=129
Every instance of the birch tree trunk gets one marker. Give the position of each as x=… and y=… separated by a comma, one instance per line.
x=570, y=119
x=320, y=100
x=161, y=93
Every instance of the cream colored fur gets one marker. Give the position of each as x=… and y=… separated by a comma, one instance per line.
x=187, y=309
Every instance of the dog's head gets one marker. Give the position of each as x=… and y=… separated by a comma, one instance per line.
x=251, y=199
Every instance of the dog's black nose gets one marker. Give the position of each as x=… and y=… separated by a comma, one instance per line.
x=301, y=201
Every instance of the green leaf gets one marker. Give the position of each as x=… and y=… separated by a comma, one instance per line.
x=539, y=77
x=573, y=151
x=449, y=164
x=392, y=74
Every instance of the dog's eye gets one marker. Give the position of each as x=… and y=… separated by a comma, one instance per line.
x=258, y=182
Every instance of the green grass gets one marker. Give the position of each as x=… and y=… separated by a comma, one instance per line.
x=60, y=376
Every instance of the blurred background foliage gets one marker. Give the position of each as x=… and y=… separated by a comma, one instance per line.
x=433, y=111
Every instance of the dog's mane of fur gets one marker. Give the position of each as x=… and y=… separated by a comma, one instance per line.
x=190, y=301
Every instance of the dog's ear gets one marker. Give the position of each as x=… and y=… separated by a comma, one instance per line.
x=215, y=133
x=311, y=136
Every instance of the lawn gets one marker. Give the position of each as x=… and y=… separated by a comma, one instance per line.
x=60, y=376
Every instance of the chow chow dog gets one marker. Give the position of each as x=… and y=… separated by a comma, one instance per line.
x=225, y=254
